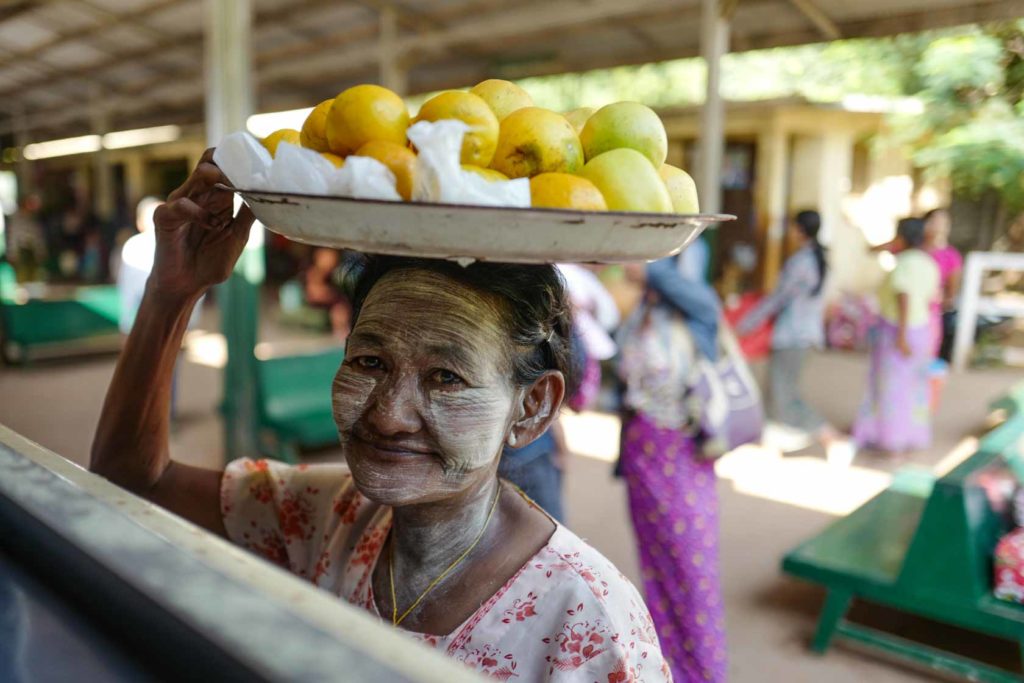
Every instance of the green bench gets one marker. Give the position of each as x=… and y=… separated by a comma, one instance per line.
x=295, y=403
x=924, y=546
x=62, y=319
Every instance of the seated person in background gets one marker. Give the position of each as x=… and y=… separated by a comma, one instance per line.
x=444, y=366
x=321, y=291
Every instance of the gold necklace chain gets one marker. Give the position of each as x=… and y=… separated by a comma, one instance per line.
x=395, y=619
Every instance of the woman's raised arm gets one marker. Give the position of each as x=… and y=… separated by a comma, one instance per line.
x=198, y=242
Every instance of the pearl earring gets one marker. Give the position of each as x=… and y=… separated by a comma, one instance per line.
x=512, y=439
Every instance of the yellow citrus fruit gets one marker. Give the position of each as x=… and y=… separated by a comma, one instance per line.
x=625, y=124
x=681, y=189
x=333, y=158
x=363, y=113
x=274, y=139
x=578, y=117
x=314, y=131
x=503, y=97
x=488, y=174
x=398, y=158
x=534, y=141
x=565, y=191
x=628, y=181
x=479, y=143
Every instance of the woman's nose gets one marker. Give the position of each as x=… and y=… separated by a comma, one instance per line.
x=395, y=408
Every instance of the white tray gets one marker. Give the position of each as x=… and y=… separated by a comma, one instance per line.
x=481, y=233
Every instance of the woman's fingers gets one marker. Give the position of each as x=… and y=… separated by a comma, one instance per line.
x=244, y=219
x=176, y=213
x=202, y=180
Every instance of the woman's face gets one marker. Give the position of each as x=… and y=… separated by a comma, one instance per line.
x=936, y=228
x=424, y=399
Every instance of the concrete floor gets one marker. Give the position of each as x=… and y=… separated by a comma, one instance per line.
x=769, y=503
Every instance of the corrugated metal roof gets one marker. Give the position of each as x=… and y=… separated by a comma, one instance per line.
x=145, y=57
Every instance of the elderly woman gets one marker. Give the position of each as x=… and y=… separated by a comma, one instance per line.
x=444, y=366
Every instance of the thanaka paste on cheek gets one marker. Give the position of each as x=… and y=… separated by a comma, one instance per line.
x=470, y=426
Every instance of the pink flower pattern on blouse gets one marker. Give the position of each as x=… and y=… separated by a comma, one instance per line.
x=567, y=615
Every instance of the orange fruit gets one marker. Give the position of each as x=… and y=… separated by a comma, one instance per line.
x=534, y=141
x=565, y=191
x=274, y=139
x=398, y=158
x=364, y=113
x=314, y=130
x=333, y=158
x=479, y=143
x=503, y=97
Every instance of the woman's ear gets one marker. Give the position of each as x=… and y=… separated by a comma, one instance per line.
x=539, y=408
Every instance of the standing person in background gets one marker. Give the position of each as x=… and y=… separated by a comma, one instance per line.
x=951, y=265
x=895, y=415
x=594, y=317
x=322, y=291
x=25, y=243
x=673, y=501
x=539, y=468
x=798, y=307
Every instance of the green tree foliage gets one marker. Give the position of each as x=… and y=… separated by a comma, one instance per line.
x=972, y=127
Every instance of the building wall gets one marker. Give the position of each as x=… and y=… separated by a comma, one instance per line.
x=831, y=160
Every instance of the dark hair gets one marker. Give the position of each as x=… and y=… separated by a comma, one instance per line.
x=928, y=216
x=911, y=231
x=537, y=315
x=809, y=223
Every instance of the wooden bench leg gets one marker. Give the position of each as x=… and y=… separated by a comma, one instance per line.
x=832, y=612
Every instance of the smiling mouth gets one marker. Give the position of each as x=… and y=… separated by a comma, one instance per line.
x=394, y=449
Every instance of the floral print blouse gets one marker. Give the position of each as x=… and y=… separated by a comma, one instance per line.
x=567, y=615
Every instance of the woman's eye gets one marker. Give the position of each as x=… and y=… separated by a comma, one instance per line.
x=369, y=363
x=447, y=377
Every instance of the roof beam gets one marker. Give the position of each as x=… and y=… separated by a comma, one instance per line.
x=817, y=16
x=112, y=18
x=338, y=66
x=191, y=41
x=520, y=20
x=85, y=33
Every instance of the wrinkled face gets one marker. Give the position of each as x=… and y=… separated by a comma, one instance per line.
x=424, y=399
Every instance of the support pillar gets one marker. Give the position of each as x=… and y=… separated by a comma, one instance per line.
x=23, y=169
x=134, y=180
x=229, y=102
x=715, y=20
x=392, y=71
x=102, y=173
x=773, y=191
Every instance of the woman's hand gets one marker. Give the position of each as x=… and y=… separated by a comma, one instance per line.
x=198, y=240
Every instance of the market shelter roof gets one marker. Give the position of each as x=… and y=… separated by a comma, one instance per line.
x=142, y=60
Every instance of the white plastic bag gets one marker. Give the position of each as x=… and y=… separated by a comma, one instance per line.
x=439, y=173
x=441, y=178
x=301, y=171
x=363, y=178
x=244, y=161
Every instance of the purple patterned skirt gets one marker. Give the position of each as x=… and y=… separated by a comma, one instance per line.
x=896, y=413
x=674, y=505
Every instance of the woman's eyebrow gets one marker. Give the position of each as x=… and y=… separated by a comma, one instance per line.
x=458, y=354
x=369, y=338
